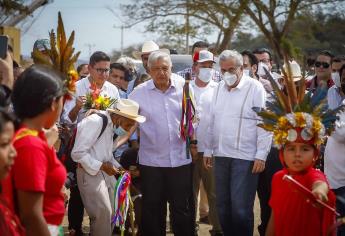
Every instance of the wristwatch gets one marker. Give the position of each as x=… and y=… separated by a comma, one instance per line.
x=194, y=142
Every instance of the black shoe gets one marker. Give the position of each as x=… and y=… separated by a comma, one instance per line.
x=73, y=232
x=216, y=233
x=204, y=220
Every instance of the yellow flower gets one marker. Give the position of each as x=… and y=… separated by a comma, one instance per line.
x=300, y=120
x=279, y=136
x=317, y=125
x=283, y=122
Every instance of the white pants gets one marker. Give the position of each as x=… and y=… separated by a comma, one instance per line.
x=97, y=193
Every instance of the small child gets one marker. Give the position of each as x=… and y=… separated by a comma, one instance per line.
x=292, y=212
x=300, y=123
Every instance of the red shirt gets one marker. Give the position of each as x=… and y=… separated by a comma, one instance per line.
x=312, y=84
x=9, y=222
x=37, y=169
x=293, y=215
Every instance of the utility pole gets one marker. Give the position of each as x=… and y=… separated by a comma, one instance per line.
x=90, y=46
x=122, y=27
x=187, y=28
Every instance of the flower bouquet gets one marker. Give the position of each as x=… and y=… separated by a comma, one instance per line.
x=94, y=99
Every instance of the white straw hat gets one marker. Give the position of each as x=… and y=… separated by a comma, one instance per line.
x=129, y=109
x=148, y=47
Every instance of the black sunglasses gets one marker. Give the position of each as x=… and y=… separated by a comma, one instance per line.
x=324, y=64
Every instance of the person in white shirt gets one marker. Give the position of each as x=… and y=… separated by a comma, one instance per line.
x=99, y=68
x=93, y=151
x=165, y=168
x=336, y=93
x=73, y=113
x=238, y=145
x=335, y=165
x=203, y=87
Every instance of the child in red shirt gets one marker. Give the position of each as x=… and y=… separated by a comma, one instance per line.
x=299, y=122
x=292, y=212
x=35, y=184
x=9, y=222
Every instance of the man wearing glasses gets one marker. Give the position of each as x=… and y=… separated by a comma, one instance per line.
x=99, y=68
x=73, y=113
x=323, y=71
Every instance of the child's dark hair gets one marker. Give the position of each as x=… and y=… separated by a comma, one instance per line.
x=35, y=90
x=4, y=118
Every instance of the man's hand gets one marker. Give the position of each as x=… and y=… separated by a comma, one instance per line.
x=258, y=166
x=90, y=112
x=80, y=101
x=109, y=168
x=208, y=163
x=194, y=152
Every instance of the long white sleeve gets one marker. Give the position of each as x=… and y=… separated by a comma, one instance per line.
x=87, y=133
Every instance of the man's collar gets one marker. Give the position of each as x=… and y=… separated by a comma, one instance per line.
x=151, y=84
x=241, y=83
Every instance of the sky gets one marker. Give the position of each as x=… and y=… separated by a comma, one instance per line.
x=96, y=28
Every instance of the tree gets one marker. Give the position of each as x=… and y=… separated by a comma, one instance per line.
x=221, y=15
x=276, y=18
x=128, y=51
x=14, y=11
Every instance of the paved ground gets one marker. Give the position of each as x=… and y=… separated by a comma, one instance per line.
x=203, y=228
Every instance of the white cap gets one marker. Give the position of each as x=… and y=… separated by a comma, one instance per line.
x=205, y=55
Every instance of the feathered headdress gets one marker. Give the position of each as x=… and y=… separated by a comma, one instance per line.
x=297, y=115
x=60, y=56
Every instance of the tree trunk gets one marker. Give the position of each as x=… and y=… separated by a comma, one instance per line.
x=226, y=40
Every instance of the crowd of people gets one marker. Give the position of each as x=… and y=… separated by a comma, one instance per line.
x=241, y=141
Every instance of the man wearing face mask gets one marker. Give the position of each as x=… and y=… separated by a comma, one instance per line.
x=250, y=68
x=93, y=151
x=203, y=87
x=239, y=147
x=336, y=94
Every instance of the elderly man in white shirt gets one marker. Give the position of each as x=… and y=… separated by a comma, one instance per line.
x=239, y=147
x=93, y=151
x=166, y=172
x=203, y=87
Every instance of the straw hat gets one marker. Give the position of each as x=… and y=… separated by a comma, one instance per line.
x=148, y=47
x=129, y=109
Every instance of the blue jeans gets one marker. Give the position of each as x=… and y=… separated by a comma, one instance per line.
x=235, y=195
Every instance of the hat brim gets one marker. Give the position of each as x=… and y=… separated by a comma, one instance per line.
x=137, y=118
x=137, y=54
x=203, y=60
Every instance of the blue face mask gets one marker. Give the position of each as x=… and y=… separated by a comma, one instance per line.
x=119, y=131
